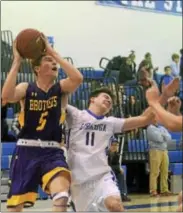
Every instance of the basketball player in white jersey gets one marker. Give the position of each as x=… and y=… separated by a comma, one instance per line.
x=89, y=132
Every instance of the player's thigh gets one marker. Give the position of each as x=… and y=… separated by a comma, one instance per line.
x=55, y=174
x=60, y=183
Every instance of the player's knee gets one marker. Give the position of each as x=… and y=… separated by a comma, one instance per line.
x=59, y=188
x=60, y=199
x=114, y=204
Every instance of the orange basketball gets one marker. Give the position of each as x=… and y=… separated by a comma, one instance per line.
x=30, y=44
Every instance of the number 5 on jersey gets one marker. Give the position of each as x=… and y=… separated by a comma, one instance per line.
x=42, y=121
x=90, y=137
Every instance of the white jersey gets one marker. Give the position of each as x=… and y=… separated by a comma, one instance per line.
x=88, y=136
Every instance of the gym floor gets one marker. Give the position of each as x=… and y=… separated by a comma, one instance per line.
x=139, y=203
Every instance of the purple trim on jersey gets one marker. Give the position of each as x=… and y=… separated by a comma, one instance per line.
x=113, y=176
x=98, y=117
x=68, y=138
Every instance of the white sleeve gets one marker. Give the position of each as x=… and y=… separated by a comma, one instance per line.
x=72, y=113
x=117, y=124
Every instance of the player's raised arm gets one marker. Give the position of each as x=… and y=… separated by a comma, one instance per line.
x=74, y=79
x=170, y=121
x=147, y=117
x=167, y=119
x=11, y=92
x=126, y=124
x=136, y=122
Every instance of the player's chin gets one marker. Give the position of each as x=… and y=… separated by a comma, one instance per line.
x=54, y=73
x=106, y=109
x=52, y=76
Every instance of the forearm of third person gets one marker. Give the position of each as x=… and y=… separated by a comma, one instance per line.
x=8, y=89
x=170, y=121
x=162, y=100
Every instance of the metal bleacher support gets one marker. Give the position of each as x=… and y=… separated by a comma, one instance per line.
x=135, y=142
x=10, y=116
x=6, y=153
x=25, y=73
x=103, y=64
x=6, y=53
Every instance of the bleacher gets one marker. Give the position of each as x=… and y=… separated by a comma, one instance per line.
x=134, y=150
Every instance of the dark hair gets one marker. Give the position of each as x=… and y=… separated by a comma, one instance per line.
x=36, y=62
x=143, y=64
x=167, y=67
x=98, y=91
x=142, y=74
x=174, y=56
x=147, y=55
x=132, y=52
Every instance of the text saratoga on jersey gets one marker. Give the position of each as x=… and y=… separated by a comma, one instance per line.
x=96, y=127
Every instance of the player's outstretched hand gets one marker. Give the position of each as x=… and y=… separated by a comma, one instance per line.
x=152, y=95
x=16, y=54
x=171, y=88
x=174, y=101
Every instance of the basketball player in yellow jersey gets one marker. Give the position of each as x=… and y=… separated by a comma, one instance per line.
x=38, y=158
x=169, y=120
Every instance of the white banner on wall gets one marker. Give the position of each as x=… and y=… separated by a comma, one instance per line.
x=171, y=7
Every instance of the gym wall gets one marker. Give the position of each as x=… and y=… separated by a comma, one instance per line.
x=86, y=31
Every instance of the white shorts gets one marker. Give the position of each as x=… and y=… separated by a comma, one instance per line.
x=90, y=196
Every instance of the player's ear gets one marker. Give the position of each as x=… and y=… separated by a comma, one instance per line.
x=92, y=99
x=36, y=69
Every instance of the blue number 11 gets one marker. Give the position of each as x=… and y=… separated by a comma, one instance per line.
x=90, y=137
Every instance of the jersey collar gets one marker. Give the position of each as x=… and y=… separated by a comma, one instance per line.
x=98, y=117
